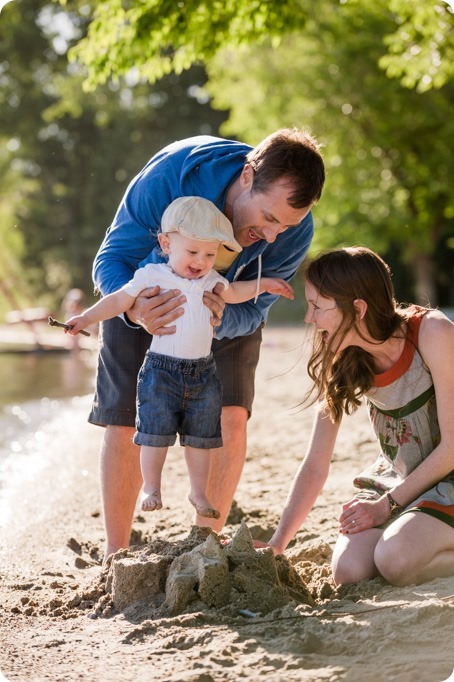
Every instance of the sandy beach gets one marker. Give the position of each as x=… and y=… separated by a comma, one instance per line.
x=181, y=606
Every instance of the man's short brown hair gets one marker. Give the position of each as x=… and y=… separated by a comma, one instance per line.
x=289, y=154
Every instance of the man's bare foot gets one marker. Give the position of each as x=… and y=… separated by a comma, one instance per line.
x=203, y=508
x=151, y=501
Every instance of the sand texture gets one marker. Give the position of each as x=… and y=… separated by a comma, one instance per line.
x=181, y=605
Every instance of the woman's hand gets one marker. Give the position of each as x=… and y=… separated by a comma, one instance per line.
x=215, y=304
x=155, y=311
x=358, y=515
x=258, y=544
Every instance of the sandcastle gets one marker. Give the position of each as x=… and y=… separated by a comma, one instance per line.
x=202, y=573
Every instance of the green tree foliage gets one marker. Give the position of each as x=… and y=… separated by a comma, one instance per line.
x=388, y=150
x=421, y=49
x=160, y=36
x=390, y=145
x=67, y=156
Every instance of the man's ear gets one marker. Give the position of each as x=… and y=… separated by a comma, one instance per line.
x=247, y=176
x=360, y=307
x=164, y=242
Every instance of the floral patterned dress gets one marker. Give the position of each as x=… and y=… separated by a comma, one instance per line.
x=403, y=412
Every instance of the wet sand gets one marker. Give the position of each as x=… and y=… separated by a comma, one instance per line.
x=179, y=605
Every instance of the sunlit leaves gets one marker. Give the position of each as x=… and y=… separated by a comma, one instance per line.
x=421, y=49
x=387, y=149
x=157, y=37
x=66, y=155
x=160, y=36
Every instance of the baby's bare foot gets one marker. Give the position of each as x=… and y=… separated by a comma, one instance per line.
x=202, y=507
x=151, y=501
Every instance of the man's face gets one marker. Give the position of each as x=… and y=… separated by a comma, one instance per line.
x=263, y=215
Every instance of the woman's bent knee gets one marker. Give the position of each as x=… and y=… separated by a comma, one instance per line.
x=353, y=559
x=349, y=572
x=393, y=563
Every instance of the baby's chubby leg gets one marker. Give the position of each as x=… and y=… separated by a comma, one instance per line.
x=151, y=463
x=198, y=462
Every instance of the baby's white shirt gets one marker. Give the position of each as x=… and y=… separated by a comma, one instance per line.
x=194, y=332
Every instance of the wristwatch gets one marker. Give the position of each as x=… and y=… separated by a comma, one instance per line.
x=394, y=507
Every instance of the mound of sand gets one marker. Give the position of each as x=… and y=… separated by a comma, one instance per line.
x=199, y=573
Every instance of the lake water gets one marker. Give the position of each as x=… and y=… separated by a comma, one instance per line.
x=40, y=393
x=26, y=377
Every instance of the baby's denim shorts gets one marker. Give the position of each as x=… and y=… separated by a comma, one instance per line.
x=122, y=351
x=178, y=396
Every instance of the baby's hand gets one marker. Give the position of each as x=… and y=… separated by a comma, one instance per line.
x=276, y=285
x=77, y=323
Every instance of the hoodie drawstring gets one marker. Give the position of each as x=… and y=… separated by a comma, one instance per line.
x=257, y=288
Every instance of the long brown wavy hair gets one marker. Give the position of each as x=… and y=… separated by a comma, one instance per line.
x=340, y=380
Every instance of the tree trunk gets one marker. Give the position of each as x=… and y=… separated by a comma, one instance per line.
x=425, y=288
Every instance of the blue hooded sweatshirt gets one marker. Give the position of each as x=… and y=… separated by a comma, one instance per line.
x=199, y=166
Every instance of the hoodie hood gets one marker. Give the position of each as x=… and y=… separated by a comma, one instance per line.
x=210, y=168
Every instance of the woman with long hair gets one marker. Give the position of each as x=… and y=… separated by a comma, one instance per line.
x=400, y=523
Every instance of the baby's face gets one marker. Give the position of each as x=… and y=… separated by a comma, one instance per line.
x=189, y=258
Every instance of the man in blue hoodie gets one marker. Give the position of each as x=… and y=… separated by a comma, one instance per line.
x=267, y=193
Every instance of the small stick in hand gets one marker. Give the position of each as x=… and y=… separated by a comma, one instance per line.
x=56, y=323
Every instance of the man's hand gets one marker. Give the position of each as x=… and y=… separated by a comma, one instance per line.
x=215, y=303
x=154, y=311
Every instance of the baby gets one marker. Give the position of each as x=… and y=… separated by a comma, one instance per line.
x=178, y=390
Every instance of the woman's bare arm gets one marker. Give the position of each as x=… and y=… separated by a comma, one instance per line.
x=308, y=482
